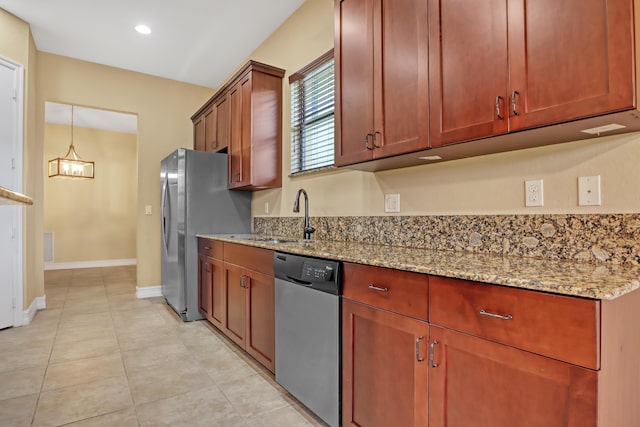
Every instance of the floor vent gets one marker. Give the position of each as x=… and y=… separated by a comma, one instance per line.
x=48, y=246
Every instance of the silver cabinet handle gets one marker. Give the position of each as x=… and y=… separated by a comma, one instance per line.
x=498, y=109
x=418, y=358
x=207, y=248
x=375, y=138
x=366, y=141
x=514, y=103
x=432, y=350
x=377, y=288
x=495, y=316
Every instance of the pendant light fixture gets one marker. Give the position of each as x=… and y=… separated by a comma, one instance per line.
x=71, y=166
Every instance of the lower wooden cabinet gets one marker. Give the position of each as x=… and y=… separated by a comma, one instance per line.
x=384, y=372
x=236, y=294
x=477, y=382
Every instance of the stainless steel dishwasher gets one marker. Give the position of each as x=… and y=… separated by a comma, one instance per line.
x=307, y=298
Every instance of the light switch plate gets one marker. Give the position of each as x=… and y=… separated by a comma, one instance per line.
x=392, y=203
x=589, y=191
x=148, y=210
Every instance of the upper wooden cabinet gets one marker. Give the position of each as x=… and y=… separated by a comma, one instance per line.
x=498, y=67
x=381, y=52
x=244, y=118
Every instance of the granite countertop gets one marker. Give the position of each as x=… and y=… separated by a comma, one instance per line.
x=596, y=281
x=8, y=197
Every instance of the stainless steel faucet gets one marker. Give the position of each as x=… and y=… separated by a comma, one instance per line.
x=308, y=229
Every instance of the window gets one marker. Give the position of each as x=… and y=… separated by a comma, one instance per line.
x=312, y=111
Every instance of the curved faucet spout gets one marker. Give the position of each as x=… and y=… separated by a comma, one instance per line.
x=296, y=208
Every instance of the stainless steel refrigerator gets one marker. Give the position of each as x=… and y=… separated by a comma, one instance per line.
x=194, y=200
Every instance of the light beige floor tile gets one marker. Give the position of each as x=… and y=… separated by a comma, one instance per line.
x=129, y=290
x=127, y=302
x=167, y=380
x=82, y=401
x=84, y=332
x=18, y=359
x=84, y=295
x=123, y=418
x=156, y=356
x=18, y=412
x=206, y=347
x=97, y=305
x=135, y=338
x=21, y=383
x=69, y=319
x=27, y=338
x=252, y=395
x=47, y=317
x=83, y=371
x=65, y=352
x=206, y=407
x=288, y=416
x=227, y=366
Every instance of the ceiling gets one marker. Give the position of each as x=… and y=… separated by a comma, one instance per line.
x=196, y=41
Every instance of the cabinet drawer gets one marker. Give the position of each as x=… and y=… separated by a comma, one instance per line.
x=562, y=327
x=209, y=247
x=257, y=259
x=394, y=290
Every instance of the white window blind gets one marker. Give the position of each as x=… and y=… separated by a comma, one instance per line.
x=312, y=115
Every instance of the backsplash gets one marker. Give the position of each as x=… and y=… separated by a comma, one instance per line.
x=613, y=238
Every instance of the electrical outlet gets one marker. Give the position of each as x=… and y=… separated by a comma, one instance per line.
x=589, y=191
x=392, y=203
x=148, y=210
x=266, y=207
x=533, y=193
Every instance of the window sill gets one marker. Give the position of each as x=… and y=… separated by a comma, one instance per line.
x=331, y=168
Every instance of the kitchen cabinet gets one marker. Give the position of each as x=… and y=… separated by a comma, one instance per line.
x=384, y=368
x=249, y=287
x=244, y=118
x=211, y=295
x=498, y=67
x=381, y=51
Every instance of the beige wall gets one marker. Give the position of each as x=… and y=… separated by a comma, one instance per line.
x=482, y=185
x=92, y=219
x=16, y=43
x=163, y=107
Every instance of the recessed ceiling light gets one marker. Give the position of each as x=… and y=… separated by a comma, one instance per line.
x=143, y=29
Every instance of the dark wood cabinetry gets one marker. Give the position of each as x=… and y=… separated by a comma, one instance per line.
x=384, y=368
x=381, y=78
x=498, y=67
x=236, y=294
x=245, y=118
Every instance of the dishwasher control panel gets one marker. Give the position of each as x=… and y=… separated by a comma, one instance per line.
x=316, y=272
x=319, y=274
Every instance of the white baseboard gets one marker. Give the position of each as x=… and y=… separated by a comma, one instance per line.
x=148, y=291
x=38, y=303
x=89, y=264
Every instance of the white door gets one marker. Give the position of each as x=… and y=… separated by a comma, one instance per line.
x=11, y=178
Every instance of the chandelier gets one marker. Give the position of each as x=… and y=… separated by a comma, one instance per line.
x=71, y=166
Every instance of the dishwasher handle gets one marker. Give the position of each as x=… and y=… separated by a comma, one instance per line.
x=299, y=282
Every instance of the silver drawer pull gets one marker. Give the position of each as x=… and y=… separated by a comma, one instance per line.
x=432, y=352
x=207, y=248
x=495, y=316
x=418, y=358
x=377, y=288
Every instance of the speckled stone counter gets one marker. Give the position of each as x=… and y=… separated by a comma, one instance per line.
x=597, y=281
x=8, y=197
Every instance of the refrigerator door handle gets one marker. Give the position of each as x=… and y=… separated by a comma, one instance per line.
x=165, y=188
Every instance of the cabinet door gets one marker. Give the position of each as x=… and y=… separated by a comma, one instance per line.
x=569, y=59
x=468, y=73
x=218, y=306
x=210, y=129
x=480, y=383
x=198, y=134
x=240, y=134
x=384, y=371
x=235, y=326
x=261, y=318
x=222, y=123
x=204, y=286
x=401, y=76
x=354, y=81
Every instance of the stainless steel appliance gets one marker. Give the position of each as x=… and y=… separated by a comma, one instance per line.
x=307, y=298
x=194, y=200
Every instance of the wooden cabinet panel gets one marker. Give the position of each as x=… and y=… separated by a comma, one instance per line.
x=221, y=108
x=569, y=59
x=399, y=291
x=565, y=328
x=382, y=78
x=235, y=135
x=253, y=258
x=235, y=322
x=199, y=142
x=383, y=381
x=210, y=129
x=209, y=247
x=260, y=335
x=469, y=70
x=484, y=384
x=217, y=313
x=205, y=281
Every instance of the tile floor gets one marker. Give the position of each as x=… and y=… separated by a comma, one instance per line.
x=98, y=356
